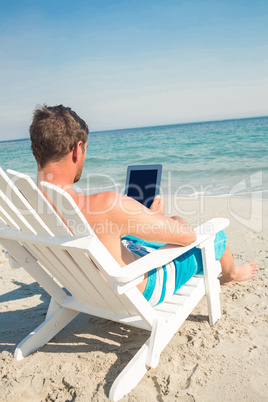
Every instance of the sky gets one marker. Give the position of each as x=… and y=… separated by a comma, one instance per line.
x=132, y=63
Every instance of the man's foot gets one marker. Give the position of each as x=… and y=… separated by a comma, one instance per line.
x=241, y=273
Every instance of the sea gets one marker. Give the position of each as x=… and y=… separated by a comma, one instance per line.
x=218, y=158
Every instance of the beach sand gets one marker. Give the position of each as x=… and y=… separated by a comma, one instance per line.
x=227, y=362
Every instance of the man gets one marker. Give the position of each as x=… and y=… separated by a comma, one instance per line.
x=59, y=143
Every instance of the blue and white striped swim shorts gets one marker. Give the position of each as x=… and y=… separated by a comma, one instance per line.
x=164, y=281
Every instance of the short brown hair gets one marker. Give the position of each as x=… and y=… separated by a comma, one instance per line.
x=54, y=132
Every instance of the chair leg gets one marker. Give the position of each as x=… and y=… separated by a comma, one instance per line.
x=131, y=375
x=44, y=332
x=212, y=285
x=156, y=344
x=52, y=308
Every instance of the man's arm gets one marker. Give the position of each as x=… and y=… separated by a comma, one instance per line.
x=135, y=219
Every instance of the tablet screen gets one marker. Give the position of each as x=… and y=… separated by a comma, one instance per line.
x=143, y=183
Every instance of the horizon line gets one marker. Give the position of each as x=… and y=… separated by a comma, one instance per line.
x=158, y=125
x=181, y=124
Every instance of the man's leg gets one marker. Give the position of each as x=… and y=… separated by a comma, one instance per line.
x=232, y=273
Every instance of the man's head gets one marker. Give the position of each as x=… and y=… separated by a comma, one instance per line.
x=55, y=131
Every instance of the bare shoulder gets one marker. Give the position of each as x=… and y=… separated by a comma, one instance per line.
x=99, y=202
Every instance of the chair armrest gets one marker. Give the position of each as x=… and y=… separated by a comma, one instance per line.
x=169, y=252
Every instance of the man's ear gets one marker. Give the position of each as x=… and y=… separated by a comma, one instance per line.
x=77, y=149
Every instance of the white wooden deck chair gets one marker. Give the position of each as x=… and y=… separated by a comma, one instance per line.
x=38, y=240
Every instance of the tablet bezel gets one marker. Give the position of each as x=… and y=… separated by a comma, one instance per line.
x=156, y=167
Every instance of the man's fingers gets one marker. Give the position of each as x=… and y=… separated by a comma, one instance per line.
x=158, y=205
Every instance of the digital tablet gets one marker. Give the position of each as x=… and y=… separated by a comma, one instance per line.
x=143, y=183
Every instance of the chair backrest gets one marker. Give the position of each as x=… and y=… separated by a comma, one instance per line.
x=29, y=200
x=87, y=276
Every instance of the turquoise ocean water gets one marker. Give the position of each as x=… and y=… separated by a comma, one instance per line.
x=211, y=158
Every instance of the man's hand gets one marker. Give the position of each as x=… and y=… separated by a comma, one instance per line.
x=158, y=205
